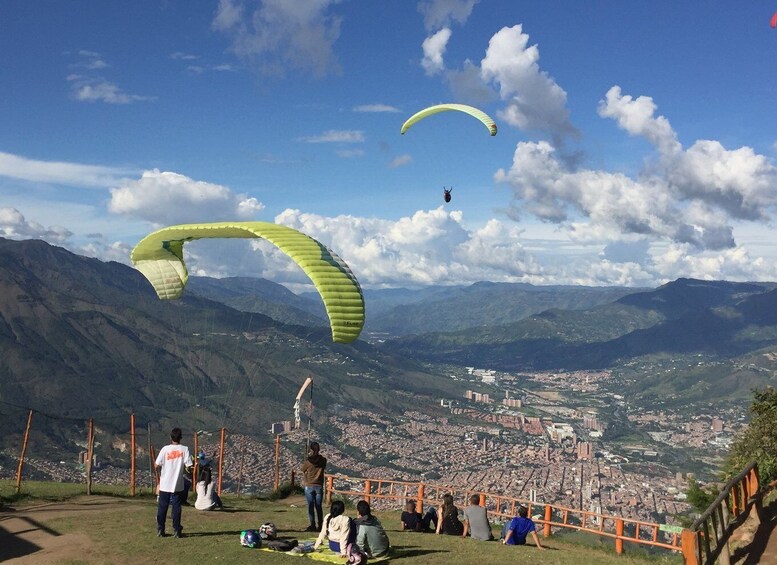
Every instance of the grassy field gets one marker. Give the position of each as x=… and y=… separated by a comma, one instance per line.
x=114, y=528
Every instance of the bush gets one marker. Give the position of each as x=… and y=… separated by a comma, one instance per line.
x=758, y=442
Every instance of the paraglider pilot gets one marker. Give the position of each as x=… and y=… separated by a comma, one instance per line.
x=446, y=193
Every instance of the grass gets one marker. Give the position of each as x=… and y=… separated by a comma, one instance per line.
x=125, y=530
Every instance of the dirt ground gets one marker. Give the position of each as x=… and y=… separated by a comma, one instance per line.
x=25, y=537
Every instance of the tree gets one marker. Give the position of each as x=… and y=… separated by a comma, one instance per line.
x=757, y=442
x=698, y=497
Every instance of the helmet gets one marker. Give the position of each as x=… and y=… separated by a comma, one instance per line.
x=268, y=530
x=250, y=538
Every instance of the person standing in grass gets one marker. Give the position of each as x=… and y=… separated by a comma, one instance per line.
x=476, y=520
x=313, y=470
x=172, y=461
x=519, y=528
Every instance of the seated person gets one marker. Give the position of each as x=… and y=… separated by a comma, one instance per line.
x=519, y=527
x=476, y=520
x=207, y=499
x=337, y=529
x=371, y=537
x=448, y=518
x=412, y=520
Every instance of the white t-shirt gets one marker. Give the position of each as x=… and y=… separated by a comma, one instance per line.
x=172, y=458
x=205, y=500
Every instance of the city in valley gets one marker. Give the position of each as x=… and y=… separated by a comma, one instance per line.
x=574, y=439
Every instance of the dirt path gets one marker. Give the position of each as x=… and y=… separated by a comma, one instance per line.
x=25, y=537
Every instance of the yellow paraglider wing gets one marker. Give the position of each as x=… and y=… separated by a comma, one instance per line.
x=472, y=111
x=159, y=256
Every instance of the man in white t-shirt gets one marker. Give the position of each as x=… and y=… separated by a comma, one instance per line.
x=171, y=461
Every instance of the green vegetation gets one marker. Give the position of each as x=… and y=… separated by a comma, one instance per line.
x=758, y=442
x=120, y=529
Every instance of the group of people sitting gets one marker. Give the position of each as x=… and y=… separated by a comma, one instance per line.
x=445, y=519
x=347, y=535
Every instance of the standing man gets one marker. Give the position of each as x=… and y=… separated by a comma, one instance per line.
x=171, y=461
x=313, y=471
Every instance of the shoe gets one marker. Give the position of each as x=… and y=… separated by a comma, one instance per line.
x=178, y=533
x=160, y=533
x=311, y=528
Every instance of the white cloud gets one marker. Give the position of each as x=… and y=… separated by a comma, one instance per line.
x=13, y=225
x=534, y=100
x=104, y=91
x=441, y=13
x=335, y=136
x=54, y=172
x=434, y=48
x=401, y=161
x=172, y=198
x=281, y=35
x=375, y=108
x=350, y=153
x=181, y=56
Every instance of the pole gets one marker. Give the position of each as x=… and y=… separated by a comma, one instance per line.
x=242, y=459
x=221, y=459
x=132, y=454
x=150, y=458
x=156, y=470
x=24, y=449
x=310, y=419
x=195, y=472
x=90, y=455
x=277, y=463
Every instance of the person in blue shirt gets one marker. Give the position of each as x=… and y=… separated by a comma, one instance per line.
x=519, y=528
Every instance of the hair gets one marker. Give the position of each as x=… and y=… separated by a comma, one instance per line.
x=474, y=499
x=523, y=511
x=176, y=434
x=205, y=475
x=411, y=501
x=363, y=508
x=447, y=505
x=314, y=446
x=336, y=509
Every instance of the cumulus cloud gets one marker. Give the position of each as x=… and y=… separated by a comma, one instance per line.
x=375, y=108
x=434, y=48
x=86, y=85
x=13, y=225
x=278, y=35
x=55, y=172
x=335, y=136
x=534, y=100
x=441, y=13
x=171, y=198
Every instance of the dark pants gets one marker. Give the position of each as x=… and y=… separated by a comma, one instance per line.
x=169, y=499
x=315, y=497
x=430, y=519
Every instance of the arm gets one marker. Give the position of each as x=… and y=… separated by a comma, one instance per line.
x=344, y=540
x=361, y=540
x=439, y=519
x=466, y=526
x=508, y=536
x=322, y=535
x=537, y=540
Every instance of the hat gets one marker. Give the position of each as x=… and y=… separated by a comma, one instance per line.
x=202, y=460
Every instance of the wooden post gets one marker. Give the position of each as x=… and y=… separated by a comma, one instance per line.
x=221, y=460
x=548, y=518
x=196, y=469
x=242, y=459
x=24, y=449
x=90, y=456
x=482, y=501
x=277, y=463
x=367, y=489
x=419, y=504
x=150, y=458
x=330, y=481
x=619, y=536
x=292, y=481
x=689, y=543
x=156, y=470
x=132, y=454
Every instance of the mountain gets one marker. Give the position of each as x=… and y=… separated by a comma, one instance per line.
x=686, y=316
x=80, y=338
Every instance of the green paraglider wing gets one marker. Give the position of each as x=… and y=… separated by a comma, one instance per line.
x=472, y=111
x=159, y=256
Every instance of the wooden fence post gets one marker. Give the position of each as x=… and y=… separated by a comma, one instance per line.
x=24, y=449
x=419, y=504
x=277, y=463
x=196, y=469
x=689, y=543
x=90, y=456
x=367, y=489
x=221, y=459
x=619, y=536
x=482, y=501
x=548, y=518
x=132, y=454
x=330, y=481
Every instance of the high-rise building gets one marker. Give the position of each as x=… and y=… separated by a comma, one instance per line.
x=717, y=425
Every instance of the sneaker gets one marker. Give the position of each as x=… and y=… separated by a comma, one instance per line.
x=311, y=528
x=178, y=533
x=160, y=533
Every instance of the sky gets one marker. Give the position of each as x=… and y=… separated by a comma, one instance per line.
x=637, y=140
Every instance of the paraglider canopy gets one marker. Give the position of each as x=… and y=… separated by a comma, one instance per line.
x=159, y=256
x=471, y=110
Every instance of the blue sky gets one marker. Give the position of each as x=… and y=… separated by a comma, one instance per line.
x=636, y=140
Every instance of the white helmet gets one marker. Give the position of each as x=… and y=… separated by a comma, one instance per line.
x=268, y=530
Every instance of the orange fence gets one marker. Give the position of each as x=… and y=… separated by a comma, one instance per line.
x=549, y=516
